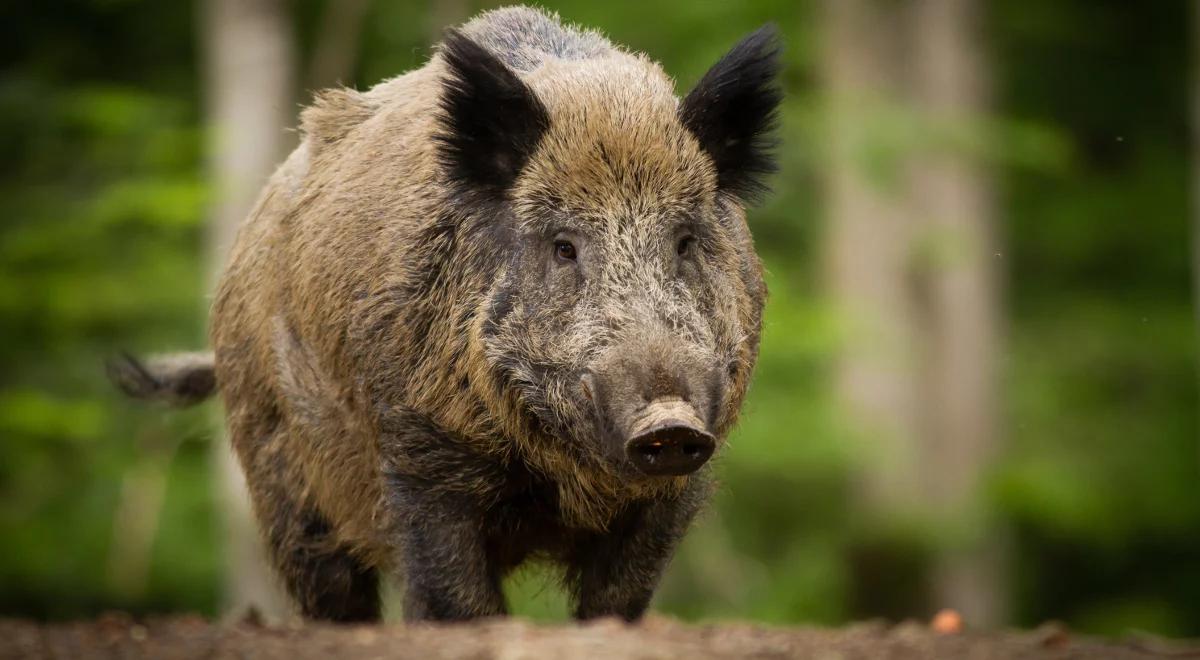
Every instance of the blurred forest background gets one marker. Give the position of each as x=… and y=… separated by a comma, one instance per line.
x=978, y=382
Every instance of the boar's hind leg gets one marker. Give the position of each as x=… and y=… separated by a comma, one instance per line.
x=326, y=581
x=439, y=491
x=614, y=573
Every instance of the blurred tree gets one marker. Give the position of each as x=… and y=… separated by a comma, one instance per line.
x=1195, y=210
x=337, y=48
x=911, y=251
x=952, y=198
x=443, y=14
x=868, y=246
x=250, y=60
x=138, y=515
x=868, y=252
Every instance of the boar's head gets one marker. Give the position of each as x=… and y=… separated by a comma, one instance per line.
x=626, y=311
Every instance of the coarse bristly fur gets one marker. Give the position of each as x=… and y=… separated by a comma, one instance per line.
x=451, y=302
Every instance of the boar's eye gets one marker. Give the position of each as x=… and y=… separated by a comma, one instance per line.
x=564, y=251
x=685, y=245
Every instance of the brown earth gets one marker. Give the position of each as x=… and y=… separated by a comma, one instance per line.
x=118, y=636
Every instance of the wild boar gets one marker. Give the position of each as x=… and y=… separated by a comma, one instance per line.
x=502, y=307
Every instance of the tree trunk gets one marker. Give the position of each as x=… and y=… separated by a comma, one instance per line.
x=138, y=515
x=336, y=49
x=1195, y=74
x=912, y=271
x=250, y=62
x=953, y=199
x=868, y=253
x=444, y=14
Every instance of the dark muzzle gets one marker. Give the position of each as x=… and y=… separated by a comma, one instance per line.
x=668, y=439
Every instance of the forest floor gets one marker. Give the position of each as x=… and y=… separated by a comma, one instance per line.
x=186, y=637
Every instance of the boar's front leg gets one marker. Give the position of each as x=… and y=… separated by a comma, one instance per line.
x=615, y=573
x=438, y=494
x=447, y=575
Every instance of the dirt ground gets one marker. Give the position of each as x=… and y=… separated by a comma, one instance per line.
x=118, y=636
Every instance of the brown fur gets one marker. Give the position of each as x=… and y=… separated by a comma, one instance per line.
x=340, y=309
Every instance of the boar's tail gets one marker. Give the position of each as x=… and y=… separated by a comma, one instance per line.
x=178, y=379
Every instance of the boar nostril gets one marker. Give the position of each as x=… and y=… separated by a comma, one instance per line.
x=650, y=450
x=672, y=448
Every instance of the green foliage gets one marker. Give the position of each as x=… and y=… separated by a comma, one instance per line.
x=103, y=196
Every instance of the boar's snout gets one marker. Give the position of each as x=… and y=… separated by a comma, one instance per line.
x=668, y=439
x=654, y=403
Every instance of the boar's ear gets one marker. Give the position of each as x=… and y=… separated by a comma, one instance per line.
x=732, y=112
x=491, y=121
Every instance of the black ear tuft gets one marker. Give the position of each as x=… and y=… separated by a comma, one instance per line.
x=491, y=120
x=732, y=112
